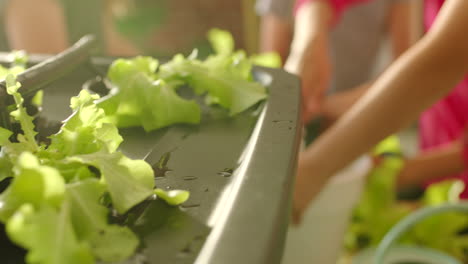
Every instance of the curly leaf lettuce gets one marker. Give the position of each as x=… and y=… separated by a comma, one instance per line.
x=225, y=79
x=53, y=205
x=89, y=219
x=27, y=139
x=48, y=235
x=85, y=131
x=145, y=92
x=32, y=183
x=142, y=100
x=172, y=197
x=377, y=210
x=444, y=231
x=129, y=181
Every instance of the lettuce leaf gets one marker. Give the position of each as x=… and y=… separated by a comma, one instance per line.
x=144, y=92
x=114, y=243
x=172, y=197
x=378, y=210
x=141, y=100
x=33, y=184
x=224, y=79
x=129, y=181
x=53, y=205
x=269, y=59
x=86, y=130
x=48, y=235
x=27, y=140
x=108, y=242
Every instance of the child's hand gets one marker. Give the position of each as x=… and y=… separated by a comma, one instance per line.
x=313, y=66
x=432, y=165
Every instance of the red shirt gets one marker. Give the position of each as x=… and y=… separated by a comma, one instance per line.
x=337, y=5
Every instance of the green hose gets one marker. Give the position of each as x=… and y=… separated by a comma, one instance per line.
x=399, y=229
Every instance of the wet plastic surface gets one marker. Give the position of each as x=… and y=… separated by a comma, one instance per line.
x=238, y=170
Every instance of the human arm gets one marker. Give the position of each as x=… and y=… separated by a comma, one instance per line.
x=399, y=27
x=309, y=56
x=400, y=39
x=275, y=35
x=276, y=26
x=37, y=26
x=116, y=44
x=431, y=165
x=335, y=105
x=415, y=81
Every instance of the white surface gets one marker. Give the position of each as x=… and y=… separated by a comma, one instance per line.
x=319, y=239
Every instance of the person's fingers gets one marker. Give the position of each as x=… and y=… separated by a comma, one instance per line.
x=308, y=115
x=305, y=104
x=312, y=96
x=313, y=108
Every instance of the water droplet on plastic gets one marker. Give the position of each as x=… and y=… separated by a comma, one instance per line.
x=280, y=121
x=187, y=206
x=114, y=213
x=185, y=252
x=199, y=238
x=226, y=172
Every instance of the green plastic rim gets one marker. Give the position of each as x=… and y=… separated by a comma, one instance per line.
x=404, y=225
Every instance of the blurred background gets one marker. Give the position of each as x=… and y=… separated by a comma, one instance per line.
x=156, y=27
x=126, y=27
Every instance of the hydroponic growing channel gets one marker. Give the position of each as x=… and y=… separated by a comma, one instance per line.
x=239, y=170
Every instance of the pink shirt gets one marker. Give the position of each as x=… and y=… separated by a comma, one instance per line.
x=446, y=120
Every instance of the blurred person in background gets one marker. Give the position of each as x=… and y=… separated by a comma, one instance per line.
x=49, y=26
x=346, y=58
x=427, y=79
x=276, y=26
x=441, y=129
x=160, y=28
